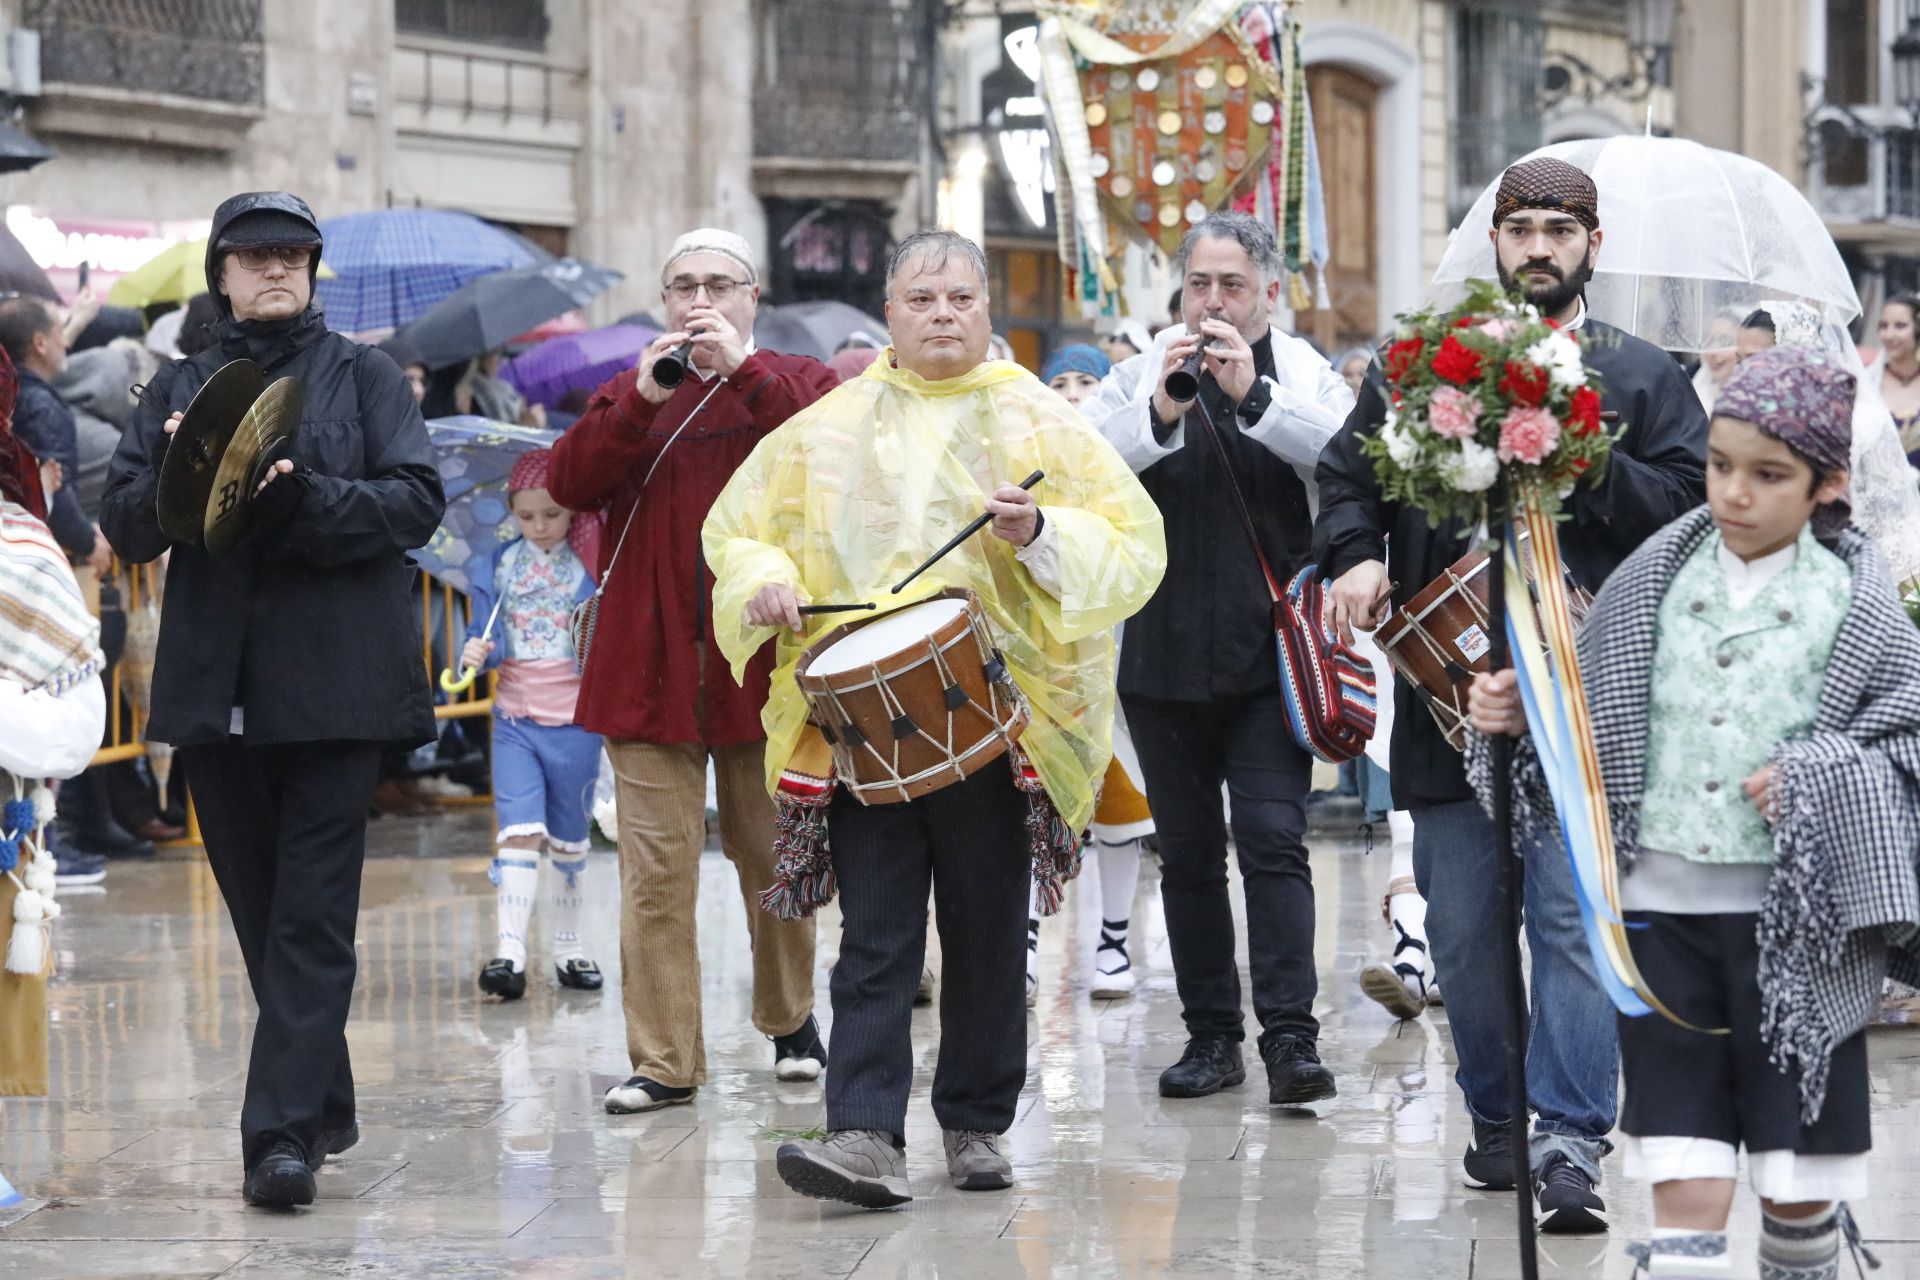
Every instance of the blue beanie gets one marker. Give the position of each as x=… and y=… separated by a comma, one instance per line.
x=1076, y=359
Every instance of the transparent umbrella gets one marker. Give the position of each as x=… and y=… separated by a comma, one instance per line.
x=1691, y=234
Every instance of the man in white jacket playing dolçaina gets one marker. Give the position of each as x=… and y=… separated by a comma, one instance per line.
x=1199, y=676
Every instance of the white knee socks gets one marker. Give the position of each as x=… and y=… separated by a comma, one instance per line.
x=516, y=877
x=1800, y=1248
x=1119, y=877
x=565, y=903
x=1680, y=1252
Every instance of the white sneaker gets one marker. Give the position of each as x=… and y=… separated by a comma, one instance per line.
x=443, y=788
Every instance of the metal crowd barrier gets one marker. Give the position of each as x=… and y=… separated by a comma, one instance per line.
x=443, y=627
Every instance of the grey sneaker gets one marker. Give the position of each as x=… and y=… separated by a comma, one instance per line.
x=975, y=1162
x=855, y=1166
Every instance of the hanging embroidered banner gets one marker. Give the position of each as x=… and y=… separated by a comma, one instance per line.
x=1175, y=138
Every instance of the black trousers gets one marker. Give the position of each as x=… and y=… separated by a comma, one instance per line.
x=970, y=841
x=1688, y=1084
x=286, y=835
x=1187, y=751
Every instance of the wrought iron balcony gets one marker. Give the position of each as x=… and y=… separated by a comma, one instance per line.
x=839, y=80
x=204, y=49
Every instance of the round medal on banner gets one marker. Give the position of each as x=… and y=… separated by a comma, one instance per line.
x=1096, y=114
x=1148, y=80
x=1163, y=173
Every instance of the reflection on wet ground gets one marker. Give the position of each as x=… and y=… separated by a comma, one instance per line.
x=486, y=1152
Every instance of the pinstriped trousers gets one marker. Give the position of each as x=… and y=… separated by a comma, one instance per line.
x=969, y=841
x=661, y=791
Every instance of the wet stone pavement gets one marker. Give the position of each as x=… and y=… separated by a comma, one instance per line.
x=486, y=1152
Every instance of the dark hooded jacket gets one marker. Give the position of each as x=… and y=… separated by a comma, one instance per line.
x=1656, y=473
x=311, y=629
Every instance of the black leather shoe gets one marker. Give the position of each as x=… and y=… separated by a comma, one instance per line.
x=1210, y=1064
x=280, y=1180
x=341, y=1140
x=500, y=978
x=1295, y=1074
x=581, y=975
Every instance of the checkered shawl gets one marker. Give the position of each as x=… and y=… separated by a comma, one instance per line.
x=1842, y=910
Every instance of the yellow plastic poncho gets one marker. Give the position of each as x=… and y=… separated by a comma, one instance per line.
x=853, y=492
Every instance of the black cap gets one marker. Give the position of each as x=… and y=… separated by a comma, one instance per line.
x=256, y=218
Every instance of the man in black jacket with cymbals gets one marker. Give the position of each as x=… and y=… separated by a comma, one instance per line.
x=287, y=664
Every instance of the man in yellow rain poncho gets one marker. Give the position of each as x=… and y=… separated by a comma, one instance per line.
x=839, y=504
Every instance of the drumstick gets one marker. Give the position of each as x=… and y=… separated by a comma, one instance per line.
x=835, y=608
x=974, y=527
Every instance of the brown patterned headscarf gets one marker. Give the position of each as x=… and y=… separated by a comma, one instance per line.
x=1547, y=183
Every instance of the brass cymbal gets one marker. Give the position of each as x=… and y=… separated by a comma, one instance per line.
x=213, y=460
x=193, y=455
x=272, y=419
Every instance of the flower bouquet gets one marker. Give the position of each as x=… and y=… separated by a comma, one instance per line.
x=1487, y=389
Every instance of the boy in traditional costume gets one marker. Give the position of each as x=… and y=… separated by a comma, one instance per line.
x=1755, y=692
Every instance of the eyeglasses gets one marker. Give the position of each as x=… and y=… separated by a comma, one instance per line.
x=292, y=257
x=719, y=289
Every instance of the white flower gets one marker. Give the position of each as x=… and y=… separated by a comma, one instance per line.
x=1471, y=470
x=1559, y=355
x=1401, y=447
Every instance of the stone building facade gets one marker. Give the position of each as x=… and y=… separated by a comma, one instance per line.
x=597, y=127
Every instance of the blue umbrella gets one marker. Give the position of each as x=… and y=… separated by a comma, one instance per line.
x=475, y=456
x=391, y=265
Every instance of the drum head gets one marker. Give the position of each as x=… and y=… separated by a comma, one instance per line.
x=273, y=419
x=192, y=462
x=886, y=635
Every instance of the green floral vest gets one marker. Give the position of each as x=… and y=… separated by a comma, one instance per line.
x=1728, y=684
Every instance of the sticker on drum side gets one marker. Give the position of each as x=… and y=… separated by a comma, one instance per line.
x=1472, y=644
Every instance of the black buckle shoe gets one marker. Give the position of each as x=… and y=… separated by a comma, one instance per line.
x=1209, y=1064
x=581, y=975
x=1295, y=1074
x=501, y=979
x=280, y=1180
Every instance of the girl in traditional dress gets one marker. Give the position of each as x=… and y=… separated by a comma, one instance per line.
x=544, y=765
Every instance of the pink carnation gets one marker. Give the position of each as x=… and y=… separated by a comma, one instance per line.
x=1453, y=413
x=1498, y=328
x=1528, y=435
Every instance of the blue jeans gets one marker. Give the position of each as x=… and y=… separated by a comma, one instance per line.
x=1573, y=1051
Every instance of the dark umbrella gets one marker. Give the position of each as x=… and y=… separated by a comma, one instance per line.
x=816, y=329
x=487, y=313
x=19, y=273
x=18, y=152
x=643, y=319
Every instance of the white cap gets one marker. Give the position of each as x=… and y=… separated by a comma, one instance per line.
x=713, y=240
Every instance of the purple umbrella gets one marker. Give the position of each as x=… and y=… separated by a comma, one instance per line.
x=576, y=361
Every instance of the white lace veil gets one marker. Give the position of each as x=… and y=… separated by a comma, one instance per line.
x=1885, y=499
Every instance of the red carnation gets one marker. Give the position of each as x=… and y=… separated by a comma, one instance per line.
x=1462, y=322
x=1526, y=383
x=1457, y=362
x=1402, y=356
x=1584, y=414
